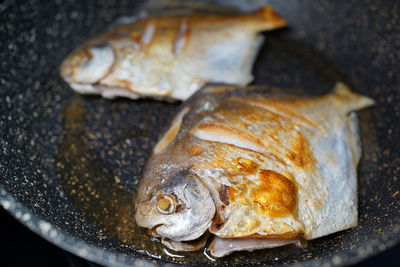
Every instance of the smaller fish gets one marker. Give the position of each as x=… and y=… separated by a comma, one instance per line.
x=169, y=57
x=254, y=170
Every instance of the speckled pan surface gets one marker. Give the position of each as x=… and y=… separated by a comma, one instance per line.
x=68, y=163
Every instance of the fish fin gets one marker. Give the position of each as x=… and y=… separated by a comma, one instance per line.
x=220, y=247
x=172, y=132
x=350, y=101
x=191, y=245
x=220, y=89
x=266, y=18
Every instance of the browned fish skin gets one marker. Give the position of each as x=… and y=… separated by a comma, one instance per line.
x=275, y=167
x=169, y=57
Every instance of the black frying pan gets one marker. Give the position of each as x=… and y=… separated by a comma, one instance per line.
x=69, y=164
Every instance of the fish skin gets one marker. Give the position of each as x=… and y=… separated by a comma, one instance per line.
x=192, y=208
x=169, y=57
x=275, y=167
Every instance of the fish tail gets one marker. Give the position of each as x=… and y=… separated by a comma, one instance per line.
x=351, y=101
x=266, y=18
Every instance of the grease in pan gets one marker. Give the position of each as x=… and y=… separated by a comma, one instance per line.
x=255, y=171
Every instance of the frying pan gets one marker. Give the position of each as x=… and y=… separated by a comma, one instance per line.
x=69, y=164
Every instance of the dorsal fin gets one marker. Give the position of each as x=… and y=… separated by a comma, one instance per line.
x=350, y=101
x=172, y=132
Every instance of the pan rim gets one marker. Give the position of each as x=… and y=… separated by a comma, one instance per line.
x=106, y=257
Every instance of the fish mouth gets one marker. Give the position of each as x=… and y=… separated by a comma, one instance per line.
x=165, y=230
x=186, y=225
x=177, y=232
x=191, y=216
x=87, y=66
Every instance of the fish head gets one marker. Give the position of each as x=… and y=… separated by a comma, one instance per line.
x=179, y=207
x=88, y=65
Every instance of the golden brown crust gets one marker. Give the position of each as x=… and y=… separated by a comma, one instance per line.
x=274, y=195
x=219, y=133
x=171, y=27
x=285, y=108
x=195, y=150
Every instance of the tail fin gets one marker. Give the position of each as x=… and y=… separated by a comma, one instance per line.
x=266, y=18
x=350, y=100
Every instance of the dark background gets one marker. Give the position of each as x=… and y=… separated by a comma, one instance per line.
x=22, y=247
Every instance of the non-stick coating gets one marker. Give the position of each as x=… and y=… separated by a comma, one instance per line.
x=355, y=41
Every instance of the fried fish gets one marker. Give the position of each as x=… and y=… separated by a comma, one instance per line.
x=254, y=170
x=169, y=57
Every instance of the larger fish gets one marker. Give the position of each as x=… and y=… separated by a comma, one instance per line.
x=256, y=171
x=169, y=57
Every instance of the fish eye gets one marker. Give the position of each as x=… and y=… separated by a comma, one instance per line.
x=165, y=204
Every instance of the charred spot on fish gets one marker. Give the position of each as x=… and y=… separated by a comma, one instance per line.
x=223, y=194
x=216, y=225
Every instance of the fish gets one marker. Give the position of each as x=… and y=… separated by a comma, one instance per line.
x=253, y=169
x=169, y=57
